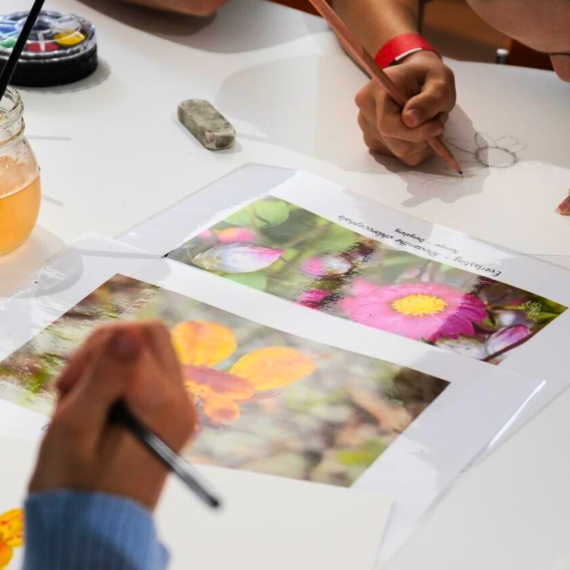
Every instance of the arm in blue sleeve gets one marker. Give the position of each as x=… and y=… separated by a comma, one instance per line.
x=73, y=530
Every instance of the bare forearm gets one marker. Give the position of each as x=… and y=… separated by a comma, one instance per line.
x=374, y=22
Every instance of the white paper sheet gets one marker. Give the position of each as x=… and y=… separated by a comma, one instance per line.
x=541, y=357
x=513, y=202
x=268, y=522
x=415, y=469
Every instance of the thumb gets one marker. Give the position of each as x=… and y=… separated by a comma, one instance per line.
x=86, y=409
x=425, y=106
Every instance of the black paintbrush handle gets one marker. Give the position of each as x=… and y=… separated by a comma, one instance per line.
x=120, y=414
x=17, y=50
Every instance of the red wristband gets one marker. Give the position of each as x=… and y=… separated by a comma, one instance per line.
x=400, y=46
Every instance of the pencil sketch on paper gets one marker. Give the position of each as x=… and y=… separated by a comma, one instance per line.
x=486, y=152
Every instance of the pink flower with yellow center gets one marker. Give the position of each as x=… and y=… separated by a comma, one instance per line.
x=421, y=311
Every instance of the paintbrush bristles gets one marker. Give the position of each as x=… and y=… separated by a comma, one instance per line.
x=366, y=61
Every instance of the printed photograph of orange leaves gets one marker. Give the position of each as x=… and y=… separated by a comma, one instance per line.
x=268, y=401
x=282, y=249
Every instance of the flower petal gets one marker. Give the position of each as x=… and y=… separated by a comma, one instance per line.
x=235, y=235
x=461, y=144
x=200, y=343
x=484, y=141
x=12, y=527
x=327, y=265
x=220, y=409
x=511, y=143
x=425, y=311
x=237, y=258
x=220, y=382
x=507, y=337
x=273, y=367
x=312, y=298
x=362, y=287
x=5, y=554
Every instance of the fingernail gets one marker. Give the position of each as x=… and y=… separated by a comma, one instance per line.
x=414, y=118
x=125, y=346
x=564, y=208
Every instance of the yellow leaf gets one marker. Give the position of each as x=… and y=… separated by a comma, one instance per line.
x=273, y=367
x=12, y=527
x=199, y=343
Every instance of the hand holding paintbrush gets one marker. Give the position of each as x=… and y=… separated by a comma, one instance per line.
x=97, y=442
x=363, y=58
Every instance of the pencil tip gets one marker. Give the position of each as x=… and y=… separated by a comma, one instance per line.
x=461, y=172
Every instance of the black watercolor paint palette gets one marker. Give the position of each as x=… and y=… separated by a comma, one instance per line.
x=61, y=49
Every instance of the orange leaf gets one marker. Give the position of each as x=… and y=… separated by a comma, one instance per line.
x=273, y=367
x=220, y=409
x=5, y=554
x=200, y=343
x=220, y=382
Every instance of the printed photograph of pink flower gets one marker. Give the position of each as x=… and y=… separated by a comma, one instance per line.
x=284, y=250
x=421, y=311
x=267, y=401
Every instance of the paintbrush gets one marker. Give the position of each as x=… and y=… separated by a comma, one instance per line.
x=17, y=50
x=121, y=415
x=357, y=51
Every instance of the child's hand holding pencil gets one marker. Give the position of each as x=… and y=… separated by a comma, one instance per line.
x=422, y=128
x=429, y=86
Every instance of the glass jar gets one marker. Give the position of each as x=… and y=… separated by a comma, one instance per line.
x=20, y=189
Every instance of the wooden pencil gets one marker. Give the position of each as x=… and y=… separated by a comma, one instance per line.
x=357, y=51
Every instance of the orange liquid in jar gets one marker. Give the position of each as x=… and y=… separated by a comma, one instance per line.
x=20, y=197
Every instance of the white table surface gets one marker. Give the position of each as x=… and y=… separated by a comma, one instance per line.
x=112, y=154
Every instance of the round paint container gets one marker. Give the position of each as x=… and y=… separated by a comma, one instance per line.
x=61, y=49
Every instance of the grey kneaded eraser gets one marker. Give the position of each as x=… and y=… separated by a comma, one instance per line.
x=207, y=124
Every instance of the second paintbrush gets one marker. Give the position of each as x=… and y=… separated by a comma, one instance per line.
x=357, y=51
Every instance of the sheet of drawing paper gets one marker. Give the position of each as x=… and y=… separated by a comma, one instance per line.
x=280, y=389
x=267, y=522
x=329, y=249
x=505, y=132
x=273, y=523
